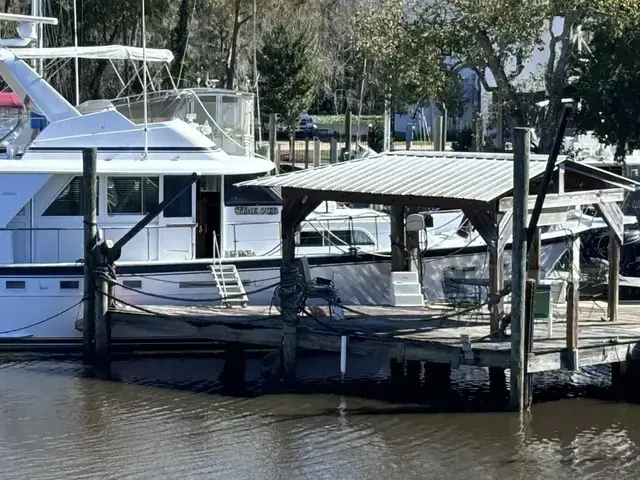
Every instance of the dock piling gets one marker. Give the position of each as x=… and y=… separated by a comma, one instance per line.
x=317, y=160
x=528, y=343
x=518, y=266
x=438, y=132
x=101, y=318
x=333, y=151
x=613, y=295
x=408, y=136
x=90, y=202
x=347, y=133
x=273, y=140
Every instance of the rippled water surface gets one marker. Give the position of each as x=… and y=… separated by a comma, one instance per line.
x=169, y=418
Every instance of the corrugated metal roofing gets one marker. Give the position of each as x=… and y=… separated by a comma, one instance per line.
x=463, y=176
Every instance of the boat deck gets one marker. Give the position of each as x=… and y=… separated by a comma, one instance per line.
x=410, y=334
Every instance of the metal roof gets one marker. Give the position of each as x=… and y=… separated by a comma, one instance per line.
x=479, y=177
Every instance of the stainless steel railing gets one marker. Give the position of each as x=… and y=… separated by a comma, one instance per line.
x=147, y=231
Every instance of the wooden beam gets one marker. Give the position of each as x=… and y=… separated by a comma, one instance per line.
x=570, y=199
x=533, y=261
x=379, y=199
x=614, y=218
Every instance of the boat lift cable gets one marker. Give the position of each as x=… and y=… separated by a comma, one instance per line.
x=43, y=321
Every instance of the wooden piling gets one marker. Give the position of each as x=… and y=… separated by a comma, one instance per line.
x=613, y=299
x=479, y=140
x=528, y=343
x=534, y=257
x=288, y=309
x=102, y=326
x=497, y=380
x=386, y=128
x=306, y=152
x=347, y=133
x=273, y=140
x=398, y=260
x=333, y=152
x=408, y=136
x=90, y=203
x=573, y=295
x=518, y=266
x=317, y=160
x=438, y=131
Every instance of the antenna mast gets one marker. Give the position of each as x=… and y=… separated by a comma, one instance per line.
x=75, y=44
x=144, y=81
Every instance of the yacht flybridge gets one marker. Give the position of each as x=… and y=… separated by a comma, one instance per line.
x=218, y=240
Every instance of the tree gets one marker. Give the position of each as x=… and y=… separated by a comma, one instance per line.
x=607, y=87
x=408, y=69
x=288, y=72
x=496, y=38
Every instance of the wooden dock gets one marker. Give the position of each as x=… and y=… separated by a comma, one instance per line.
x=411, y=334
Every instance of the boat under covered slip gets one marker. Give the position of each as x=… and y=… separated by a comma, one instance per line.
x=214, y=231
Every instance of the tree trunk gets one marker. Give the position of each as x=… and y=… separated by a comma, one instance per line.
x=232, y=54
x=179, y=37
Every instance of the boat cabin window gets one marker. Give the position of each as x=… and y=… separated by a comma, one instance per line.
x=69, y=202
x=247, y=196
x=131, y=195
x=181, y=207
x=335, y=237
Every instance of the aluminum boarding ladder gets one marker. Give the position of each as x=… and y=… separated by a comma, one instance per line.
x=228, y=281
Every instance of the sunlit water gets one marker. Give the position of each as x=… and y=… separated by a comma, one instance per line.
x=169, y=418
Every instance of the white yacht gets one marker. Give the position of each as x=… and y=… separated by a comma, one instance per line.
x=215, y=239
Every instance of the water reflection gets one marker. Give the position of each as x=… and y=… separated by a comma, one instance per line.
x=166, y=418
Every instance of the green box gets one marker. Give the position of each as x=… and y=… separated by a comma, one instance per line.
x=542, y=302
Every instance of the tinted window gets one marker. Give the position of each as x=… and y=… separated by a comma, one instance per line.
x=69, y=202
x=131, y=195
x=310, y=239
x=181, y=206
x=247, y=196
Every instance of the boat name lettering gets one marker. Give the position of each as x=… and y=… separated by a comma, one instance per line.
x=256, y=210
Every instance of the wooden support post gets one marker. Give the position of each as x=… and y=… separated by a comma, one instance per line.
x=479, y=140
x=386, y=126
x=533, y=261
x=273, y=140
x=437, y=374
x=333, y=151
x=518, y=265
x=614, y=276
x=317, y=159
x=414, y=263
x=102, y=324
x=278, y=157
x=288, y=296
x=438, y=131
x=408, y=136
x=347, y=133
x=90, y=205
x=232, y=376
x=306, y=152
x=573, y=296
x=528, y=344
x=398, y=261
x=497, y=380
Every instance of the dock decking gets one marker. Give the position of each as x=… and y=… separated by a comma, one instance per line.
x=410, y=334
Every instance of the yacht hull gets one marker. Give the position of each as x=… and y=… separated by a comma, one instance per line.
x=361, y=280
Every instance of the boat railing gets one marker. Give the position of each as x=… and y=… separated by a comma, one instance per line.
x=217, y=263
x=31, y=241
x=324, y=224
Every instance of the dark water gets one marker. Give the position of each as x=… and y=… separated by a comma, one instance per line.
x=169, y=418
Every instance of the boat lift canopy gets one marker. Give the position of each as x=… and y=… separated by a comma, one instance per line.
x=102, y=52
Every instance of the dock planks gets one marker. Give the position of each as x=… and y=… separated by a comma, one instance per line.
x=409, y=334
